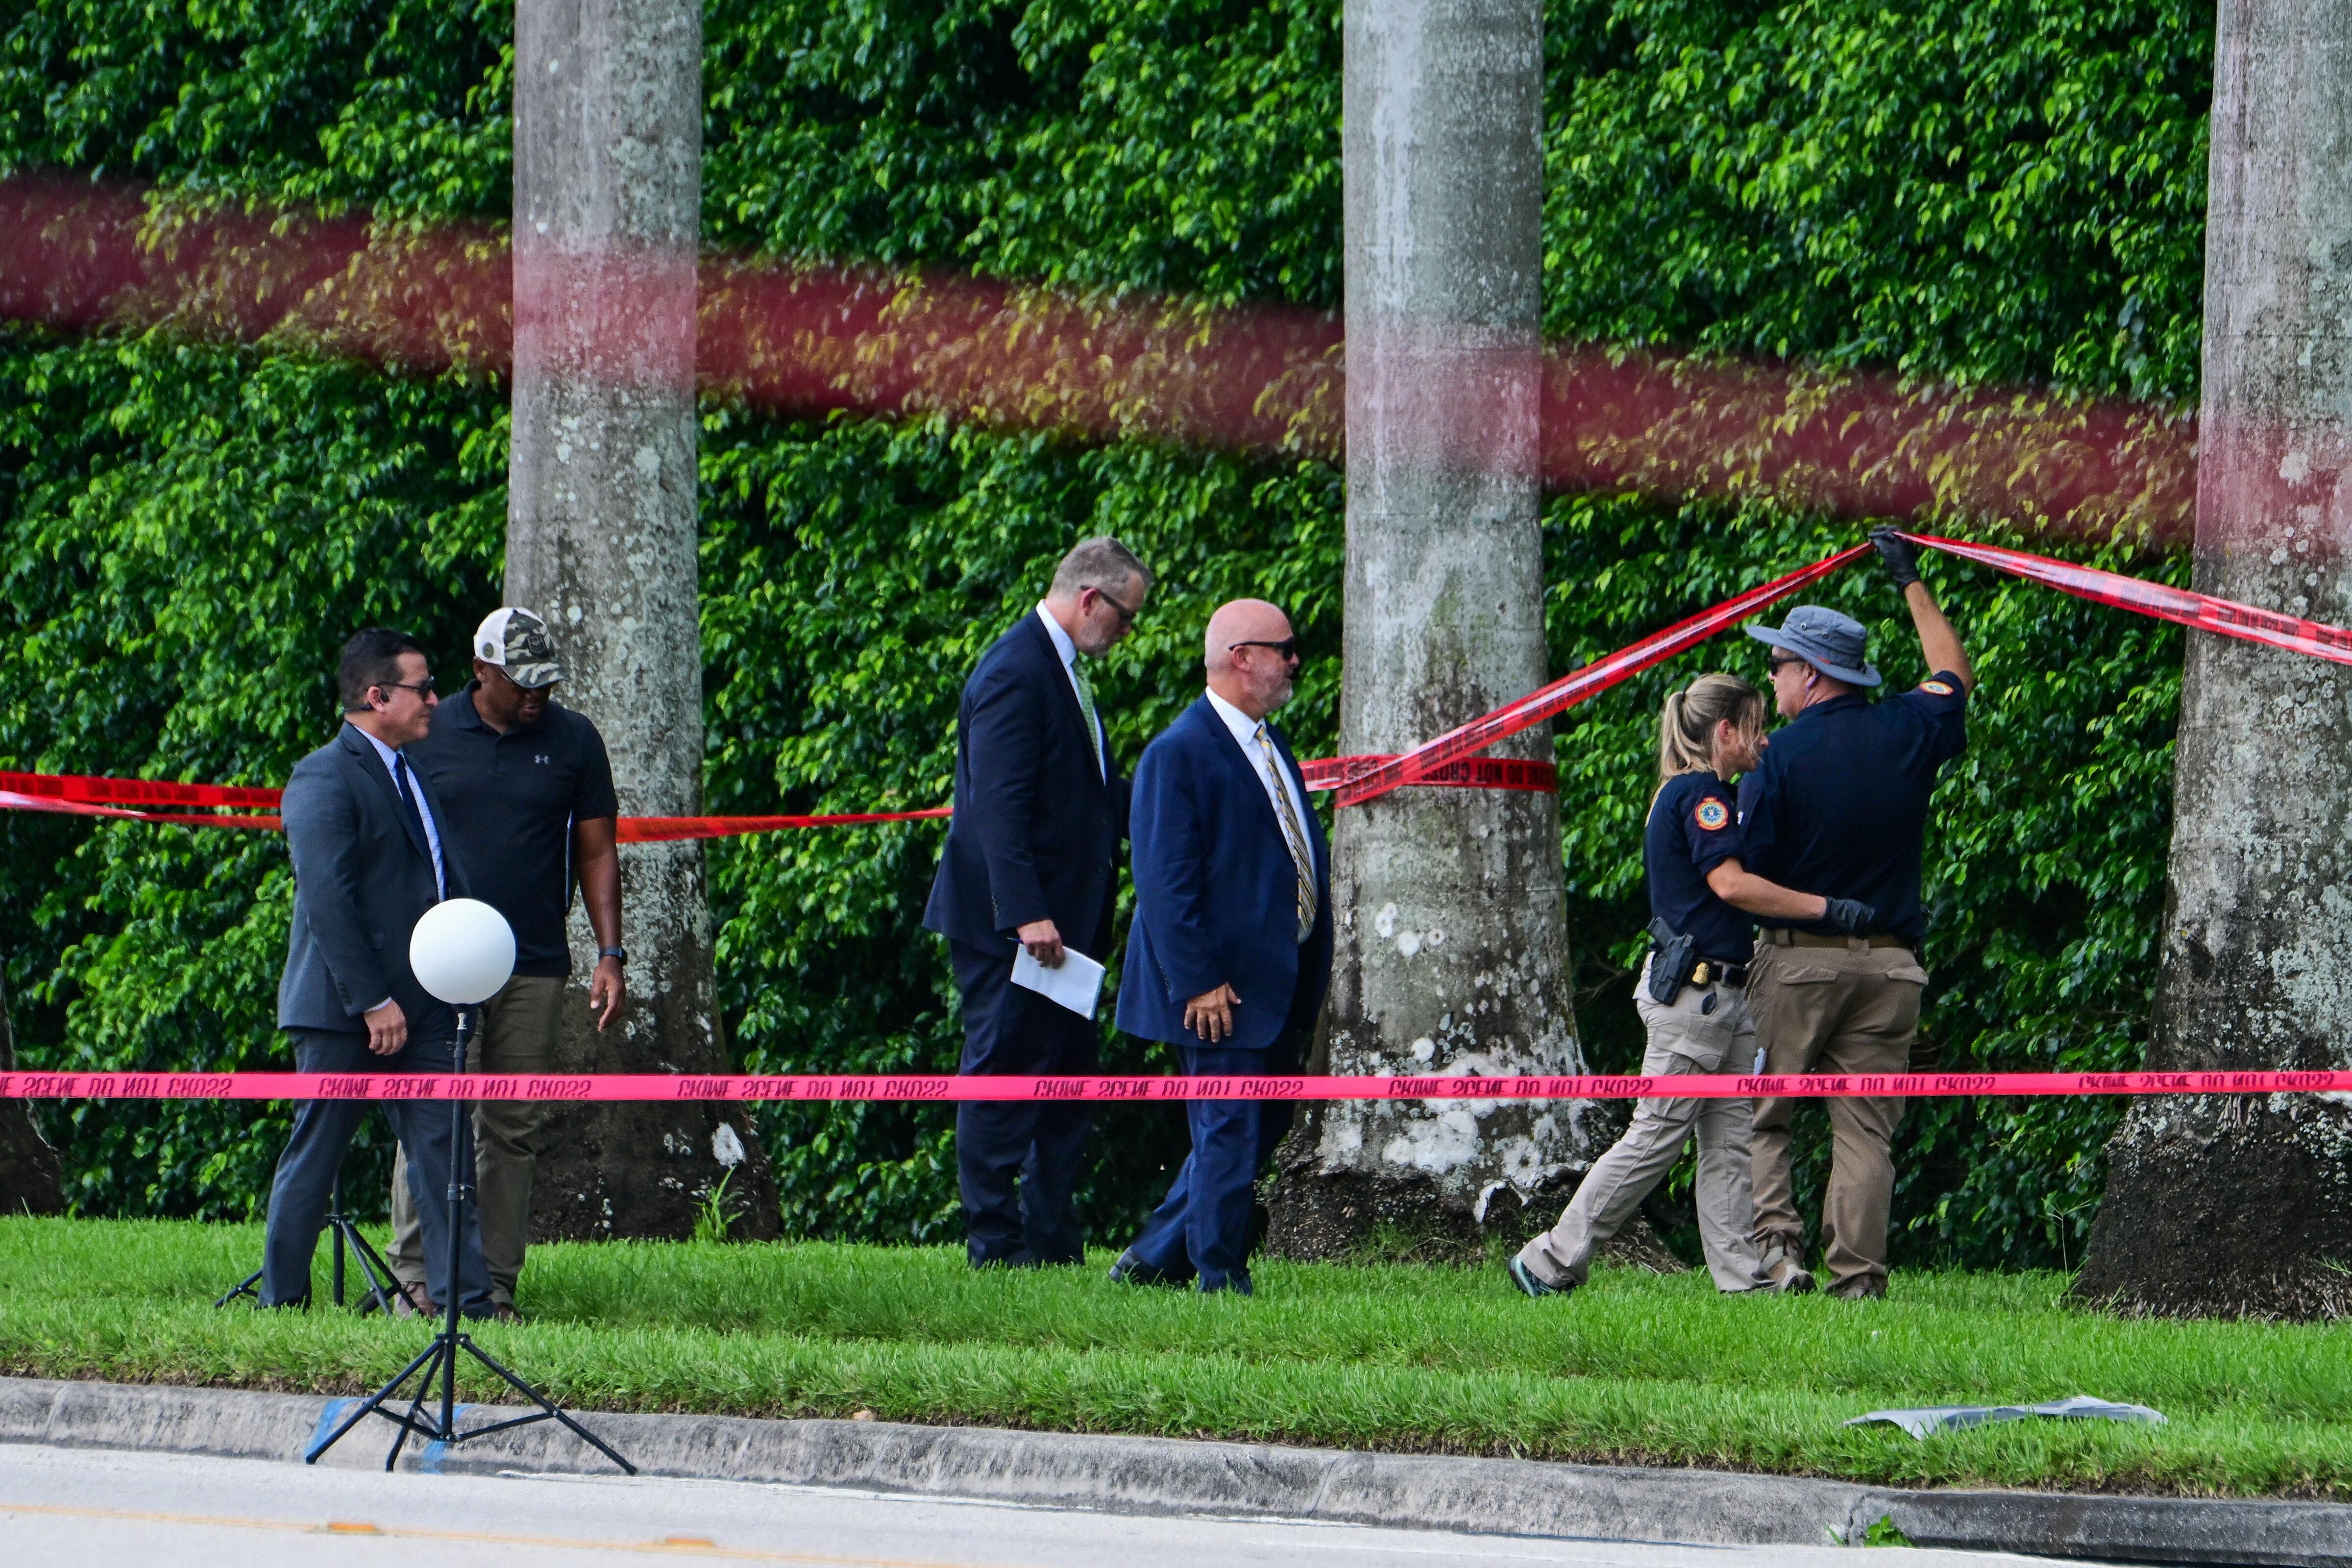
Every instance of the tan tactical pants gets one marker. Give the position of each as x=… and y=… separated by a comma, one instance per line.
x=520, y=1028
x=1848, y=1009
x=1691, y=1034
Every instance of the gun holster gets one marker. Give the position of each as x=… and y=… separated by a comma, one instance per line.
x=1671, y=964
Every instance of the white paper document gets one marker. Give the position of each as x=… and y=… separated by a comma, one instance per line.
x=1075, y=985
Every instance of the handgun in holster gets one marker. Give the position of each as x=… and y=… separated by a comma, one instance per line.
x=1673, y=965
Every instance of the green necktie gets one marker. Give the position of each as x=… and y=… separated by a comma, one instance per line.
x=1087, y=706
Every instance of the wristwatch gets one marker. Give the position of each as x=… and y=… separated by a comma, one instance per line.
x=618, y=954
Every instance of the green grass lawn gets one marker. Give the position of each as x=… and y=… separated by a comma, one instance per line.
x=1635, y=1368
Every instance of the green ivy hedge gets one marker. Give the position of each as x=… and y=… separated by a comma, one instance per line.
x=2007, y=189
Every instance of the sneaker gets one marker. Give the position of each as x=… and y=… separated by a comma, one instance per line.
x=1524, y=1279
x=1782, y=1275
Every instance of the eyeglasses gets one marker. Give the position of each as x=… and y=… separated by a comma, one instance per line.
x=1287, y=647
x=1781, y=661
x=422, y=688
x=1126, y=615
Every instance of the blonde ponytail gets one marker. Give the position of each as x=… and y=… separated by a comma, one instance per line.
x=1686, y=723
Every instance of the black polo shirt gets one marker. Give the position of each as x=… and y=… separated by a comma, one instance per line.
x=1838, y=805
x=1693, y=830
x=508, y=803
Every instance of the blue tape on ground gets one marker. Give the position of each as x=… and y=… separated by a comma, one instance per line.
x=329, y=1419
x=429, y=1457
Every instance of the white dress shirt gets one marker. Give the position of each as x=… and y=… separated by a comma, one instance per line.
x=424, y=813
x=1069, y=652
x=431, y=829
x=1244, y=729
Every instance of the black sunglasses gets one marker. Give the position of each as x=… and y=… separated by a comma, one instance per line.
x=422, y=688
x=1781, y=661
x=1287, y=647
x=1126, y=615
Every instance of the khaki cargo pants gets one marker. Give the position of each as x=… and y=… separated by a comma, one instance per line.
x=521, y=1026
x=1691, y=1034
x=1848, y=1008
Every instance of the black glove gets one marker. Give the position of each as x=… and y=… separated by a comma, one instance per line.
x=1850, y=916
x=1901, y=556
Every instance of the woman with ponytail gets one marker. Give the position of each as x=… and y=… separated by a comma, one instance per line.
x=1700, y=900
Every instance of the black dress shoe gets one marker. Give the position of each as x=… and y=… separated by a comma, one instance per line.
x=1132, y=1271
x=1235, y=1284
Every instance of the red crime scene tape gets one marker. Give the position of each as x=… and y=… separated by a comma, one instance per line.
x=936, y=1087
x=1542, y=703
x=1451, y=761
x=2224, y=618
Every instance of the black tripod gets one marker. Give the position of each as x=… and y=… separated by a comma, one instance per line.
x=440, y=1358
x=342, y=1229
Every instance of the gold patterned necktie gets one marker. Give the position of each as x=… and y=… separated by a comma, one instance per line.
x=1087, y=706
x=1293, y=832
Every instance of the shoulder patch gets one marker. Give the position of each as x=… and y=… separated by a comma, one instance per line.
x=1712, y=815
x=1937, y=687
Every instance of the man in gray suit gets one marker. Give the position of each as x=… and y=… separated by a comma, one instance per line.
x=369, y=860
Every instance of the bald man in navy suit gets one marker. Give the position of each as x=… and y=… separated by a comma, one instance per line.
x=1230, y=953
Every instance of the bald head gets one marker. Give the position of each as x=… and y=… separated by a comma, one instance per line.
x=1241, y=620
x=1244, y=670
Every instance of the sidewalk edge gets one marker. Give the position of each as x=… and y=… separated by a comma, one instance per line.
x=1161, y=1475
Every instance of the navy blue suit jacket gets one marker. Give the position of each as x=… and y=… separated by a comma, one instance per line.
x=1037, y=828
x=362, y=878
x=1216, y=890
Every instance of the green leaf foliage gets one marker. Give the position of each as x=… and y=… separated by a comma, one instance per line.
x=1990, y=193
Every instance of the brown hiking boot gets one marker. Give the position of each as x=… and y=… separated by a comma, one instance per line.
x=1781, y=1273
x=1860, y=1288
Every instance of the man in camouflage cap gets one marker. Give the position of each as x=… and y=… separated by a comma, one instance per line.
x=528, y=793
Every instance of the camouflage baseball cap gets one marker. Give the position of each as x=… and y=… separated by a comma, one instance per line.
x=516, y=642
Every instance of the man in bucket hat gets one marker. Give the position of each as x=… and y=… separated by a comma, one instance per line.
x=529, y=799
x=1838, y=805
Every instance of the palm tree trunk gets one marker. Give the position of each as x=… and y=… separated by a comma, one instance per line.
x=2240, y=1206
x=1452, y=948
x=600, y=541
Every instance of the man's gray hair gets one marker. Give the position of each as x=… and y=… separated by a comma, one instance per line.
x=1101, y=564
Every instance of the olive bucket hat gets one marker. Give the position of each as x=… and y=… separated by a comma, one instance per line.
x=1835, y=645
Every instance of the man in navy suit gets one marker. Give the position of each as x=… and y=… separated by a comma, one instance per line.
x=369, y=860
x=1229, y=953
x=1032, y=861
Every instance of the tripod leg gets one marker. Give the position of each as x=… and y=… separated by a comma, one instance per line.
x=424, y=1392
x=536, y=1397
x=372, y=1403
x=335, y=1223
x=250, y=1286
x=374, y=1270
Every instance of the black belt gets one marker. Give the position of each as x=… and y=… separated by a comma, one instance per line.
x=1715, y=972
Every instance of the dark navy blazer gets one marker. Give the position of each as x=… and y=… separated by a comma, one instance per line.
x=362, y=878
x=1215, y=891
x=1036, y=827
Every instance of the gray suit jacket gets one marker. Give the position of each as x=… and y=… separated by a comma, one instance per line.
x=362, y=878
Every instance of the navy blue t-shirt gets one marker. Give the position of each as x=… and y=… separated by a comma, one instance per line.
x=1838, y=805
x=1693, y=829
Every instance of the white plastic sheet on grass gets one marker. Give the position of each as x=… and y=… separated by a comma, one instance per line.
x=1933, y=1418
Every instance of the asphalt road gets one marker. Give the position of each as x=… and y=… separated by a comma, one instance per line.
x=86, y=1507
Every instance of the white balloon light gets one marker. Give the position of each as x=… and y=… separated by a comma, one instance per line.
x=462, y=951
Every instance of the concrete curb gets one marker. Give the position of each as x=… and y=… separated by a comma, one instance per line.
x=1154, y=1475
